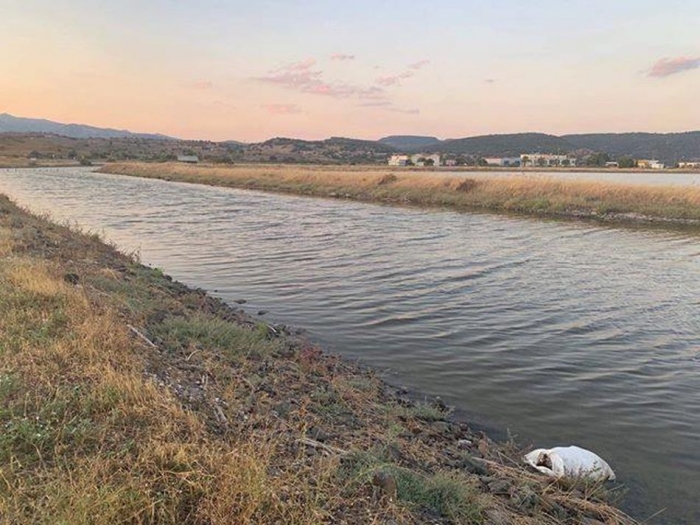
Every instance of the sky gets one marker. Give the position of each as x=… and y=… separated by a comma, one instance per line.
x=252, y=70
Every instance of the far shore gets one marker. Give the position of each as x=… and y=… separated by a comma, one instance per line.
x=540, y=197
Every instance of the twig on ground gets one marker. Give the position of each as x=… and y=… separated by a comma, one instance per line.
x=142, y=337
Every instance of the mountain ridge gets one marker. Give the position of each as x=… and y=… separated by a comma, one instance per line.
x=666, y=147
x=12, y=124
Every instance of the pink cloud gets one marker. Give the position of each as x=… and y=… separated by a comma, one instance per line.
x=404, y=111
x=376, y=104
x=300, y=66
x=282, y=109
x=201, y=85
x=342, y=57
x=303, y=78
x=385, y=105
x=394, y=80
x=670, y=66
x=419, y=65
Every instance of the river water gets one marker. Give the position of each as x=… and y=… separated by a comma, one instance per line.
x=562, y=333
x=610, y=176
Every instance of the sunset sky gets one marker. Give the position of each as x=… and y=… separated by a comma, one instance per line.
x=252, y=70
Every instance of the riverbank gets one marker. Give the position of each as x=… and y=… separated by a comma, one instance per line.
x=23, y=162
x=543, y=197
x=126, y=396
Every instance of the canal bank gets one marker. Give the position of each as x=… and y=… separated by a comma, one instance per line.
x=539, y=327
x=539, y=197
x=126, y=395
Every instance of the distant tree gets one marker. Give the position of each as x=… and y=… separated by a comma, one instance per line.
x=541, y=162
x=482, y=162
x=598, y=159
x=627, y=162
x=566, y=162
x=525, y=161
x=429, y=162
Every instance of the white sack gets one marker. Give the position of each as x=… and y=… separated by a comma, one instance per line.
x=570, y=462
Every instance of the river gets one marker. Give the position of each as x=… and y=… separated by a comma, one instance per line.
x=561, y=332
x=609, y=176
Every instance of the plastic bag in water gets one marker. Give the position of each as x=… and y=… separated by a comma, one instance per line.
x=570, y=462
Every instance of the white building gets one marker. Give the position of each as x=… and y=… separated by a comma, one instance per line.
x=545, y=160
x=189, y=159
x=693, y=164
x=650, y=164
x=504, y=162
x=419, y=159
x=423, y=159
x=398, y=160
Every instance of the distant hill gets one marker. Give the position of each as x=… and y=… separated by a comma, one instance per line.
x=47, y=139
x=409, y=142
x=667, y=147
x=12, y=124
x=335, y=150
x=506, y=145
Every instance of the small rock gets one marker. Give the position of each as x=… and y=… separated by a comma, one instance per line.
x=465, y=443
x=497, y=517
x=386, y=483
x=442, y=427
x=475, y=467
x=527, y=499
x=71, y=278
x=440, y=404
x=318, y=434
x=499, y=487
x=262, y=312
x=240, y=301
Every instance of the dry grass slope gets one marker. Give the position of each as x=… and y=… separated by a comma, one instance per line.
x=528, y=195
x=128, y=398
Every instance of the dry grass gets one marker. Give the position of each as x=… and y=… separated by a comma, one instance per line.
x=128, y=398
x=529, y=195
x=10, y=161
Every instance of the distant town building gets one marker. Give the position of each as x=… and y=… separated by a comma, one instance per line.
x=693, y=164
x=545, y=160
x=189, y=159
x=419, y=159
x=450, y=162
x=423, y=159
x=652, y=164
x=612, y=164
x=398, y=160
x=503, y=162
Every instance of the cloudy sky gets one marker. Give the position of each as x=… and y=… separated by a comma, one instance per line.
x=254, y=69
